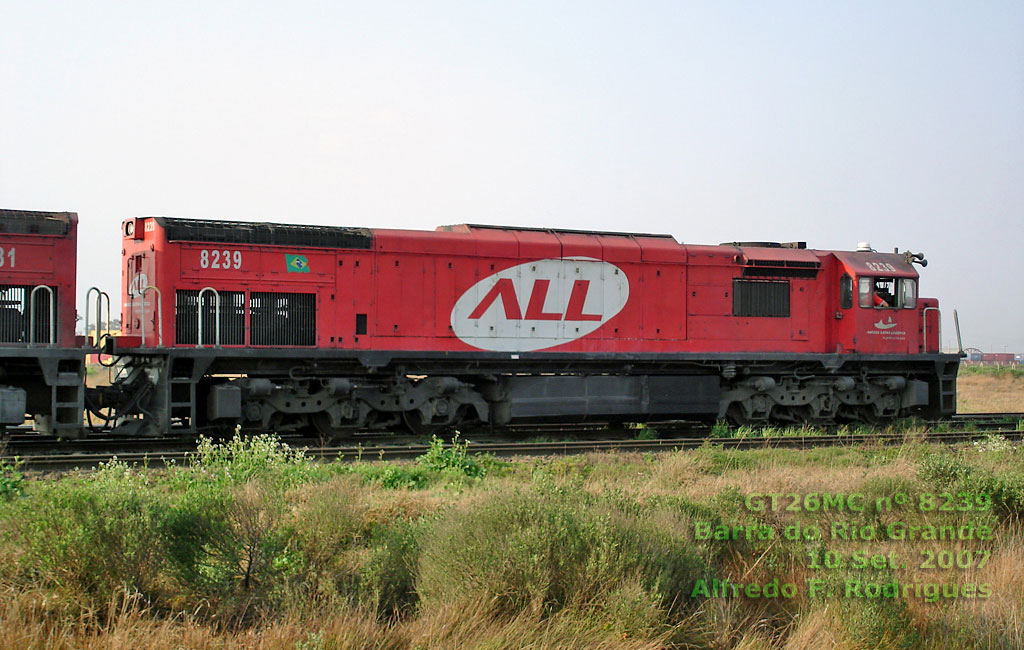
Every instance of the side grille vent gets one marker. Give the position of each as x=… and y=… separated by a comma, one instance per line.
x=283, y=318
x=232, y=317
x=14, y=314
x=760, y=298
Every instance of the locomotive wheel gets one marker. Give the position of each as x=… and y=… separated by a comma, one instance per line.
x=737, y=417
x=866, y=414
x=414, y=423
x=808, y=417
x=327, y=432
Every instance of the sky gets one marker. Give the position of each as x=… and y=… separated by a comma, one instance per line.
x=893, y=122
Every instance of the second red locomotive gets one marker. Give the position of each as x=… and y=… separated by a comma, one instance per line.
x=42, y=365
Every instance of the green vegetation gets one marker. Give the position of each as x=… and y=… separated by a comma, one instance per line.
x=1002, y=371
x=12, y=483
x=547, y=549
x=645, y=432
x=958, y=474
x=453, y=460
x=905, y=426
x=252, y=544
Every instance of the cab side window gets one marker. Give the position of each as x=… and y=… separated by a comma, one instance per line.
x=864, y=293
x=908, y=291
x=846, y=291
x=887, y=293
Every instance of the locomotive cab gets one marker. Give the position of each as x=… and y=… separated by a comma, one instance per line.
x=879, y=309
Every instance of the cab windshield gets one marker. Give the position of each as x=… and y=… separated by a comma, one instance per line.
x=887, y=293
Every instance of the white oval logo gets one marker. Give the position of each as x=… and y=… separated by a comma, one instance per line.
x=138, y=285
x=539, y=305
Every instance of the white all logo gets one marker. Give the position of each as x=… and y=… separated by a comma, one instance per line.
x=540, y=304
x=138, y=285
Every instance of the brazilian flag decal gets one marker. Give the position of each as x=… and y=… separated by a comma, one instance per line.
x=296, y=263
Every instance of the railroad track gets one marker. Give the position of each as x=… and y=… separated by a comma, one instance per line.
x=987, y=420
x=391, y=451
x=984, y=416
x=22, y=441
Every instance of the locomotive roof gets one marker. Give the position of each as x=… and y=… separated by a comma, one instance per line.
x=247, y=232
x=877, y=264
x=28, y=222
x=469, y=227
x=791, y=261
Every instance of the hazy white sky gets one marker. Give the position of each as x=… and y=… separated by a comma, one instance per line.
x=899, y=123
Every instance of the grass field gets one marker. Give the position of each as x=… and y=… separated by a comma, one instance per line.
x=990, y=390
x=251, y=545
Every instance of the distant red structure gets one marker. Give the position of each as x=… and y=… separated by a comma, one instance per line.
x=976, y=356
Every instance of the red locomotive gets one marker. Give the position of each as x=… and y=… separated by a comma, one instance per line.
x=42, y=367
x=284, y=327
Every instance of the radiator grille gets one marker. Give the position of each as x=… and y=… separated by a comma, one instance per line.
x=232, y=317
x=283, y=318
x=35, y=223
x=14, y=319
x=760, y=298
x=281, y=234
x=780, y=272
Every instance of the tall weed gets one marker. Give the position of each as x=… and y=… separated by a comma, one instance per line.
x=388, y=579
x=241, y=459
x=950, y=472
x=92, y=538
x=228, y=545
x=12, y=482
x=452, y=459
x=393, y=476
x=530, y=552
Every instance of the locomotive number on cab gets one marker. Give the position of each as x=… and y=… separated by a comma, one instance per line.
x=217, y=259
x=7, y=257
x=880, y=266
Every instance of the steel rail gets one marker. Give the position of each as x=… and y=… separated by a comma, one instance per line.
x=966, y=417
x=65, y=461
x=24, y=443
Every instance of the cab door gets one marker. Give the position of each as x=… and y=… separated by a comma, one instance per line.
x=845, y=316
x=137, y=303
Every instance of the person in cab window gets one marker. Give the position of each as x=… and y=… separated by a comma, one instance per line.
x=882, y=297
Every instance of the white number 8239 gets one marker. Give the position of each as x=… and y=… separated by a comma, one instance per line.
x=218, y=259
